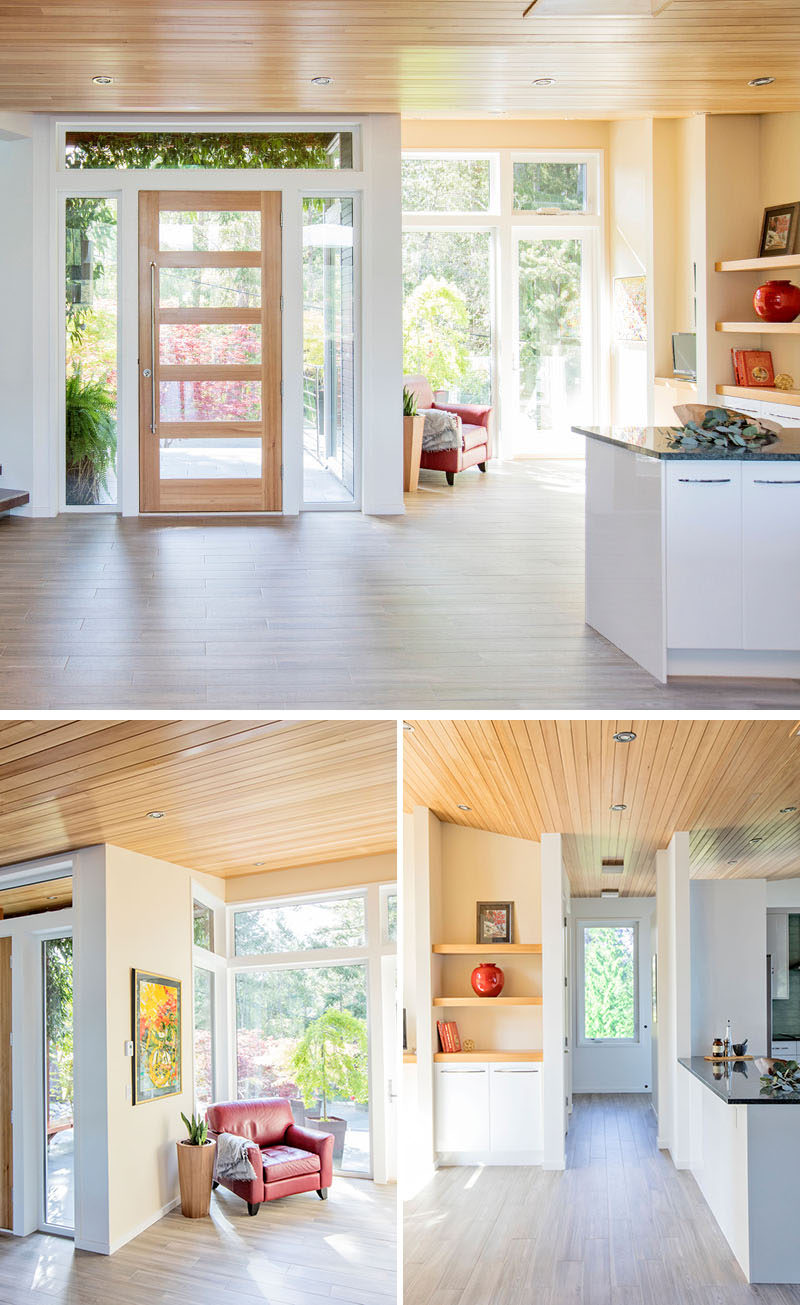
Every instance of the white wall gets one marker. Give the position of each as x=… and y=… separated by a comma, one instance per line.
x=325, y=877
x=606, y=1068
x=631, y=254
x=555, y=907
x=674, y=995
x=784, y=893
x=16, y=322
x=729, y=950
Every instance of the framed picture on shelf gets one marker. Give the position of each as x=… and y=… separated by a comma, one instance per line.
x=779, y=230
x=494, y=922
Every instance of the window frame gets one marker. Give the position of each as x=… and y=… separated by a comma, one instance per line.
x=236, y=959
x=467, y=156
x=603, y=923
x=593, y=187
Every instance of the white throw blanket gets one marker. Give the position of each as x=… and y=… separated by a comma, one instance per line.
x=232, y=1160
x=442, y=430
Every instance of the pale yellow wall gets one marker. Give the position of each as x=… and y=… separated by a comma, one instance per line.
x=630, y=240
x=148, y=927
x=477, y=866
x=499, y=134
x=313, y=878
x=779, y=141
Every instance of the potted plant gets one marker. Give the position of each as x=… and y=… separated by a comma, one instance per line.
x=91, y=438
x=196, y=1168
x=413, y=425
x=331, y=1059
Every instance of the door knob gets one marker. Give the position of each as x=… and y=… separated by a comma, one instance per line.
x=147, y=372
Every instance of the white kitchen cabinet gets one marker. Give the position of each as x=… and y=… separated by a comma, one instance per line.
x=784, y=1050
x=771, y=555
x=462, y=1107
x=704, y=554
x=778, y=949
x=515, y=1100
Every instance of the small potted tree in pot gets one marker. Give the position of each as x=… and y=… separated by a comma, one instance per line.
x=331, y=1058
x=413, y=425
x=196, y=1168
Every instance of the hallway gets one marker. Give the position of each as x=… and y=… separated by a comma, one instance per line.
x=620, y=1226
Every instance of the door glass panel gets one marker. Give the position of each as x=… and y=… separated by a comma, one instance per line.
x=328, y=351
x=209, y=230
x=210, y=400
x=91, y=351
x=283, y=1019
x=209, y=287
x=203, y=1038
x=59, y=1194
x=201, y=343
x=554, y=388
x=235, y=458
x=549, y=185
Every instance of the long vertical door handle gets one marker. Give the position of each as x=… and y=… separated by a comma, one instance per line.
x=153, y=348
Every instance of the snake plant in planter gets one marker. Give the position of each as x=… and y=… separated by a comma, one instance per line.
x=331, y=1059
x=196, y=1168
x=413, y=427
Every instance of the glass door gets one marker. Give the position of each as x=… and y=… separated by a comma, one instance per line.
x=553, y=344
x=58, y=1211
x=210, y=351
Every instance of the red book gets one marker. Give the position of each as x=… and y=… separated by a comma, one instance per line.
x=737, y=366
x=452, y=1029
x=443, y=1038
x=758, y=369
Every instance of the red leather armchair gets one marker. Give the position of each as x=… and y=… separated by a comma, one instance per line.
x=286, y=1158
x=476, y=440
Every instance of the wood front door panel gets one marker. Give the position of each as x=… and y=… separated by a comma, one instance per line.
x=210, y=351
x=6, y=1131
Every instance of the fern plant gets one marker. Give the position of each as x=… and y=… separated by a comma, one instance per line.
x=198, y=1130
x=91, y=438
x=409, y=402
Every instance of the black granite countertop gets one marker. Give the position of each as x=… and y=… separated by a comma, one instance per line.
x=653, y=442
x=739, y=1087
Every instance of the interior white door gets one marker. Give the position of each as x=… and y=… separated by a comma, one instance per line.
x=516, y=1108
x=462, y=1108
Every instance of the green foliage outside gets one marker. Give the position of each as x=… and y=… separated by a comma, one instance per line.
x=458, y=263
x=199, y=149
x=543, y=184
x=58, y=1008
x=435, y=333
x=203, y=926
x=331, y=1059
x=91, y=438
x=295, y=928
x=549, y=320
x=445, y=185
x=609, y=982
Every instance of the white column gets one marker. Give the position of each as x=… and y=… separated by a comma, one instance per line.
x=674, y=997
x=553, y=1008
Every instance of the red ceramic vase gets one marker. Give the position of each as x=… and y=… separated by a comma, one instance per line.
x=488, y=979
x=777, y=301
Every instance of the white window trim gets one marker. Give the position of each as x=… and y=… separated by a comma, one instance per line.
x=600, y=923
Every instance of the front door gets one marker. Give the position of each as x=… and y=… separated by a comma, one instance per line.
x=210, y=351
x=6, y=1133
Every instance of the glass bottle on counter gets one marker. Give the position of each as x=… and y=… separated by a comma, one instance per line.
x=728, y=1040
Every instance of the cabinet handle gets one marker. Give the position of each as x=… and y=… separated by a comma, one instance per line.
x=462, y=1071
x=694, y=480
x=516, y=1071
x=776, y=482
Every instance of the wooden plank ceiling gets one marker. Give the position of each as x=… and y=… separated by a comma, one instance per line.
x=30, y=899
x=446, y=57
x=233, y=793
x=724, y=781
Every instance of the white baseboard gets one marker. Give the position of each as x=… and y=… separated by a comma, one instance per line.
x=733, y=662
x=448, y=1159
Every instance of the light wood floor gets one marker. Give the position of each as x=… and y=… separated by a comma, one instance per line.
x=299, y=1251
x=473, y=600
x=620, y=1226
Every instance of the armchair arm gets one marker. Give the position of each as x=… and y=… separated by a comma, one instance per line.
x=311, y=1139
x=472, y=413
x=252, y=1189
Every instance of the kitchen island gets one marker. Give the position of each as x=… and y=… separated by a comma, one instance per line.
x=745, y=1155
x=692, y=556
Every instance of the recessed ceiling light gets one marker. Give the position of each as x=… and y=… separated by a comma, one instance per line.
x=624, y=736
x=761, y=81
x=462, y=806
x=759, y=838
x=618, y=806
x=543, y=81
x=609, y=892
x=408, y=727
x=785, y=810
x=733, y=863
x=321, y=81
x=156, y=815
x=258, y=863
x=53, y=897
x=102, y=81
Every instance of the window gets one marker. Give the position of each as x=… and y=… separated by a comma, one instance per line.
x=203, y=1039
x=91, y=351
x=59, y=1184
x=209, y=149
x=203, y=924
x=550, y=185
x=388, y=915
x=608, y=988
x=446, y=185
x=300, y=926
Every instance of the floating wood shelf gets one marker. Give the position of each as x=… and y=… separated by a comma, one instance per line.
x=756, y=264
x=487, y=1001
x=409, y=1057
x=492, y=1056
x=487, y=949
x=760, y=328
x=790, y=397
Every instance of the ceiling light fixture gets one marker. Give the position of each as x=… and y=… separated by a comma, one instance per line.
x=156, y=815
x=258, y=863
x=321, y=81
x=462, y=806
x=408, y=727
x=609, y=892
x=102, y=80
x=624, y=736
x=733, y=863
x=761, y=81
x=785, y=810
x=759, y=838
x=543, y=81
x=618, y=806
x=53, y=897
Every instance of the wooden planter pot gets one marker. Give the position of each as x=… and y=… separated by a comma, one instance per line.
x=412, y=452
x=195, y=1171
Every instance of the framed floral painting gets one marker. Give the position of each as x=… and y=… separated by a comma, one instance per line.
x=494, y=922
x=156, y=1037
